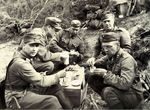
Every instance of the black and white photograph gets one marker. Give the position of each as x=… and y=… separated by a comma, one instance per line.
x=75, y=54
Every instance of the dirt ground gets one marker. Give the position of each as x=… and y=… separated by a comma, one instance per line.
x=6, y=53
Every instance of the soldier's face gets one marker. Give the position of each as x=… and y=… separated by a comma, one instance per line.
x=109, y=23
x=31, y=49
x=110, y=48
x=74, y=31
x=57, y=27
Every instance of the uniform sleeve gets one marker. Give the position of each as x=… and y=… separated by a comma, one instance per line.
x=125, y=39
x=54, y=47
x=46, y=55
x=125, y=80
x=102, y=61
x=28, y=73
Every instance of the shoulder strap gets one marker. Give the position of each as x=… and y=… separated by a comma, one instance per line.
x=7, y=68
x=2, y=88
x=10, y=63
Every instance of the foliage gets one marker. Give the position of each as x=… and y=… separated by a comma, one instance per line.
x=25, y=14
x=141, y=52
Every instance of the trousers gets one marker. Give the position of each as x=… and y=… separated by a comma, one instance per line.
x=56, y=89
x=115, y=98
x=37, y=101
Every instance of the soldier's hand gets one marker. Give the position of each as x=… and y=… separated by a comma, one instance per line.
x=100, y=71
x=127, y=50
x=65, y=57
x=73, y=52
x=64, y=54
x=148, y=67
x=61, y=74
x=91, y=61
x=42, y=51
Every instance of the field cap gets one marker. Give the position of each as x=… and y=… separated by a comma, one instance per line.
x=34, y=38
x=110, y=36
x=54, y=22
x=75, y=23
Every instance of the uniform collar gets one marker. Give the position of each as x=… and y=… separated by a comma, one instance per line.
x=111, y=30
x=71, y=36
x=115, y=28
x=21, y=54
x=118, y=54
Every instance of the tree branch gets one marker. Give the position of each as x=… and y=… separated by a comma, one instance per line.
x=39, y=13
x=94, y=103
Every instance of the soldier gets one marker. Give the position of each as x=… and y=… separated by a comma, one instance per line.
x=44, y=54
x=118, y=81
x=51, y=27
x=29, y=82
x=125, y=40
x=70, y=41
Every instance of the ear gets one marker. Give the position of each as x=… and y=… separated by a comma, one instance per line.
x=22, y=44
x=22, y=47
x=118, y=43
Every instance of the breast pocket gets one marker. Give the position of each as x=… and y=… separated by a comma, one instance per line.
x=116, y=69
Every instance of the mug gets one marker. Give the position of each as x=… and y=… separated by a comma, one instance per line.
x=65, y=58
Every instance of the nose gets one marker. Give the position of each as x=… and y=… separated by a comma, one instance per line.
x=107, y=23
x=35, y=48
x=75, y=31
x=105, y=49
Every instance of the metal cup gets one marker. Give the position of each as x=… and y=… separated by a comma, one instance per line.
x=66, y=58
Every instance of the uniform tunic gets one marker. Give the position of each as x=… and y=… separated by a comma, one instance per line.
x=49, y=33
x=64, y=41
x=121, y=77
x=32, y=89
x=125, y=40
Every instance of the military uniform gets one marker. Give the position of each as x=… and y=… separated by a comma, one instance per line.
x=20, y=75
x=65, y=41
x=125, y=40
x=49, y=33
x=121, y=84
x=25, y=81
x=51, y=26
x=44, y=54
